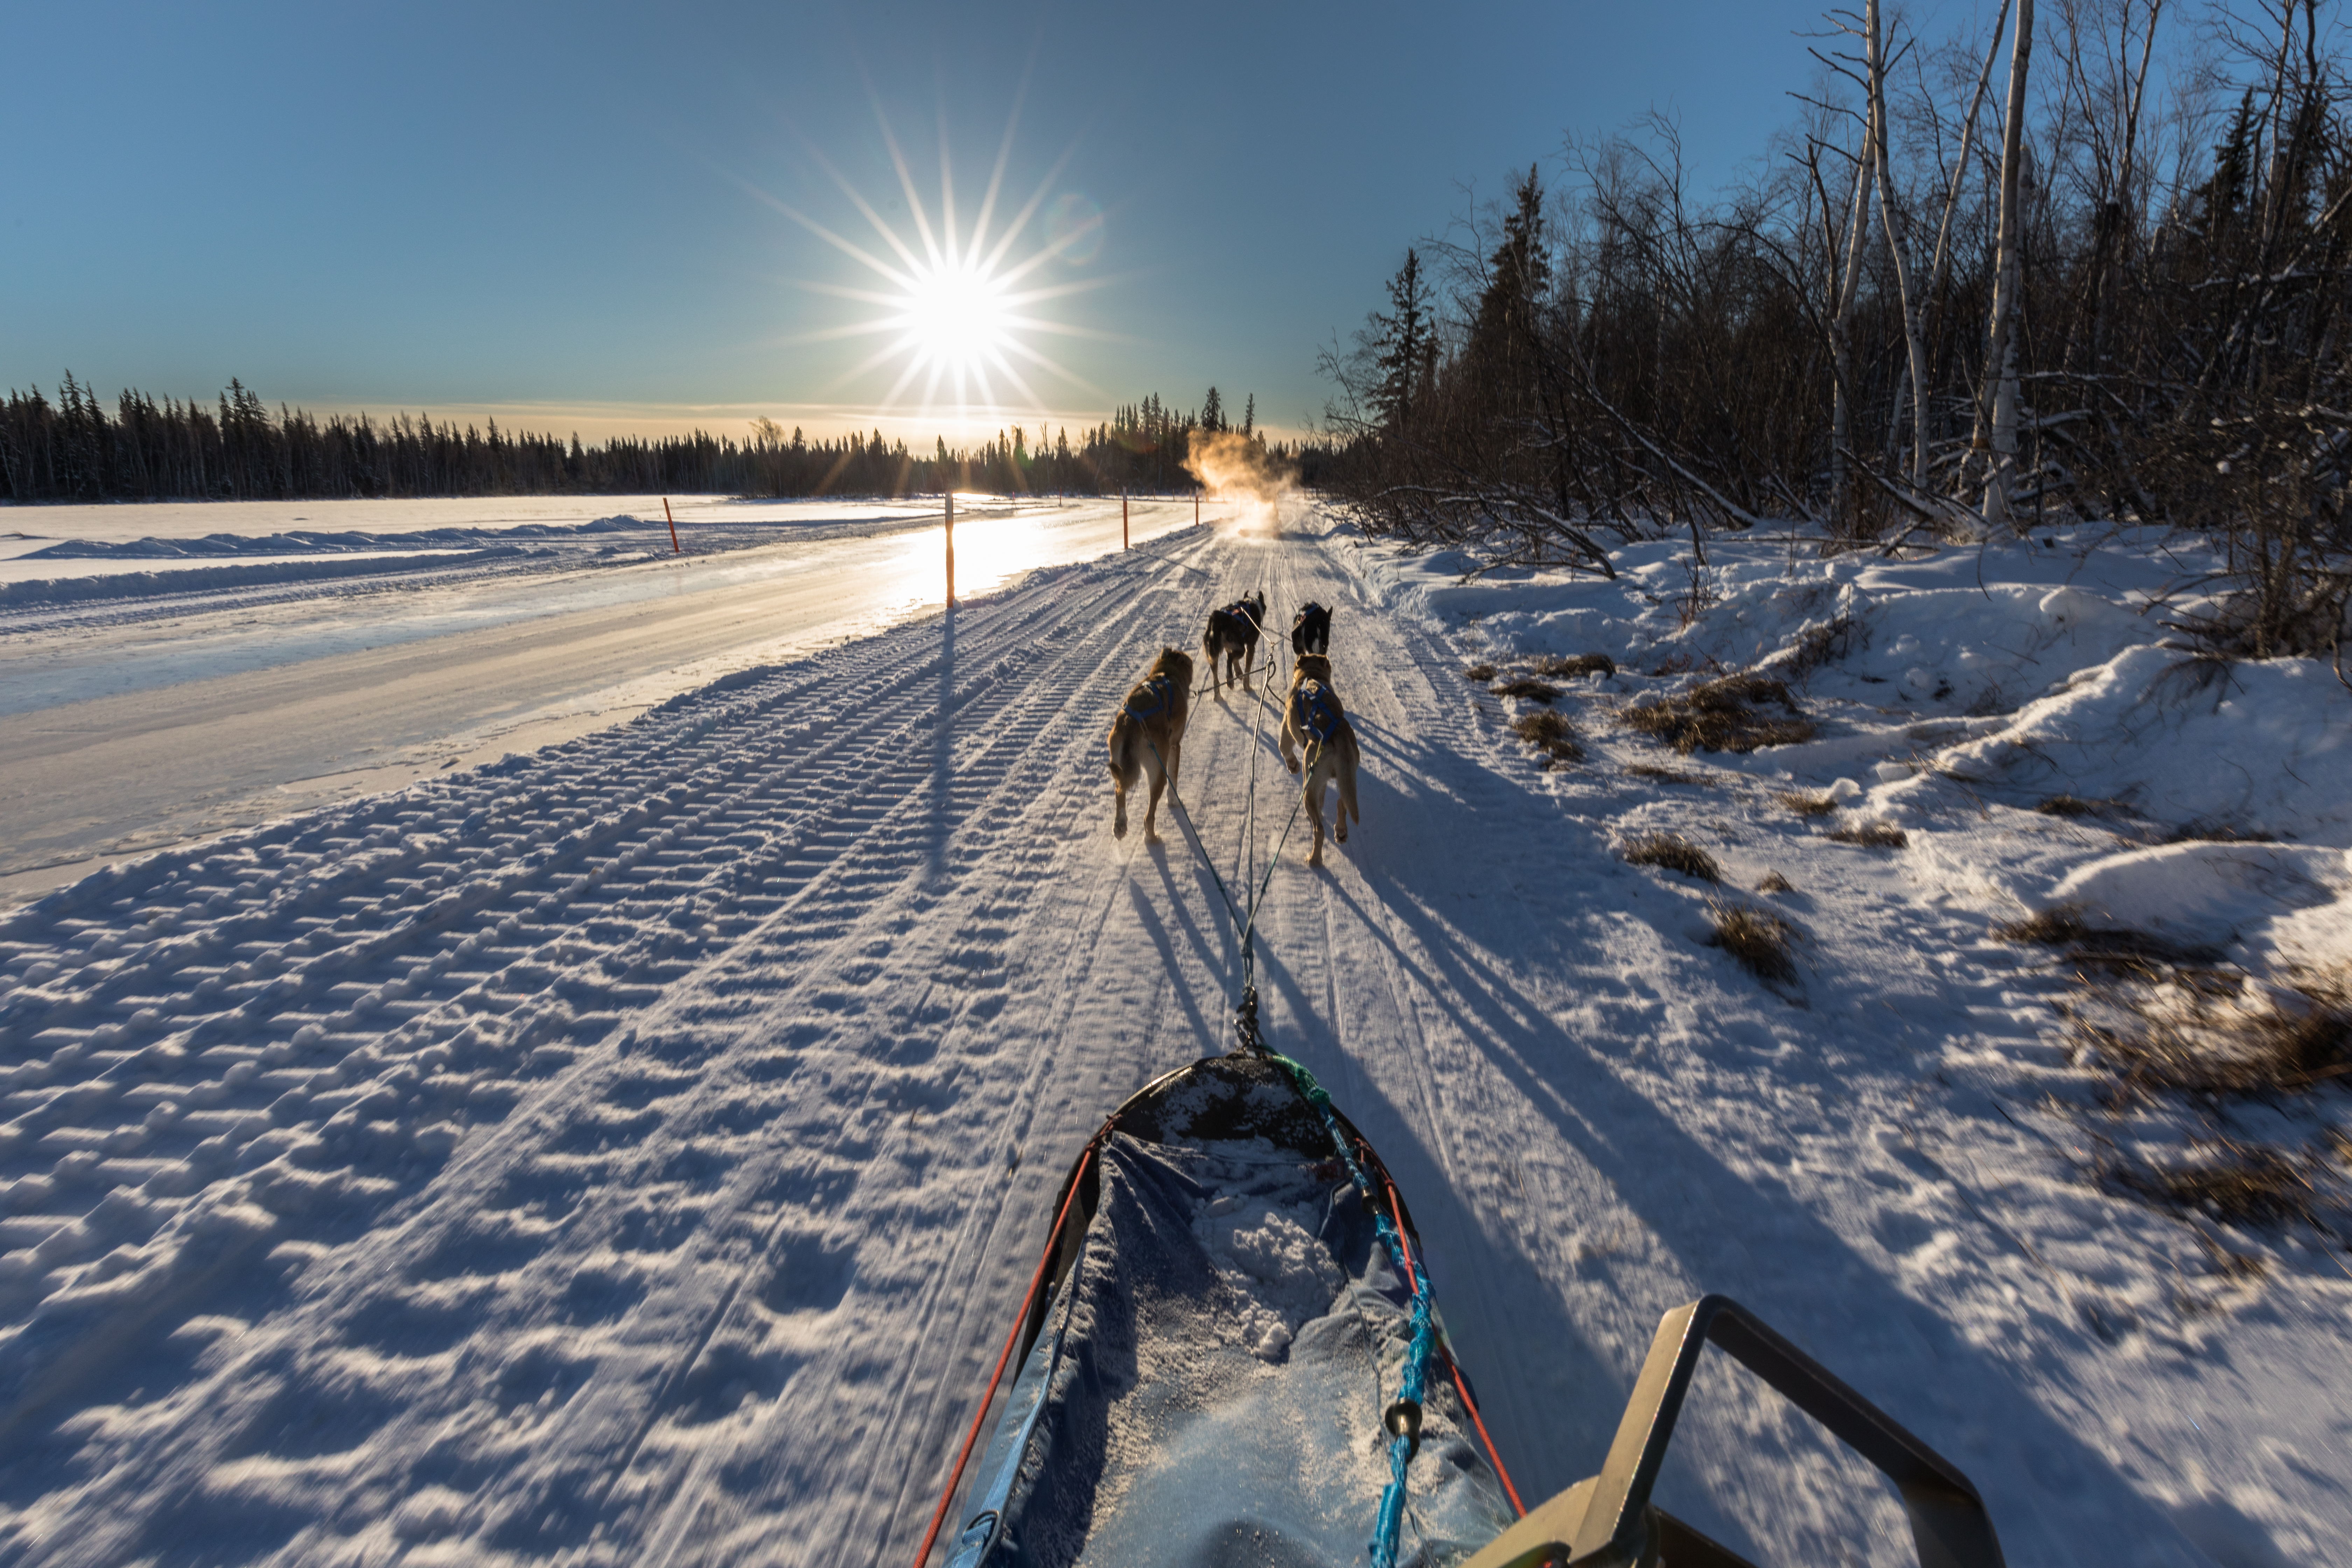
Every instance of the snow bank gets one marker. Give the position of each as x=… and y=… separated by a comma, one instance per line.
x=194, y=579
x=1954, y=631
x=2206, y=893
x=2184, y=741
x=212, y=546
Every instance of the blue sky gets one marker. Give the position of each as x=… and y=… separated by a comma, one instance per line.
x=569, y=214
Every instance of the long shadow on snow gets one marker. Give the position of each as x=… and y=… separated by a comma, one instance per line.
x=1205, y=1032
x=1663, y=1174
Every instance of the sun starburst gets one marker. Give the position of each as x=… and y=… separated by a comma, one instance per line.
x=954, y=304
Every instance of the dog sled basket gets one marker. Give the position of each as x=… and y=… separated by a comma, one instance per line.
x=1208, y=1361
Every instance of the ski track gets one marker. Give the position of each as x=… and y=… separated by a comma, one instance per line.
x=635, y=1152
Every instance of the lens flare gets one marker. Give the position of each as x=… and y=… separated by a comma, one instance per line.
x=956, y=318
x=956, y=301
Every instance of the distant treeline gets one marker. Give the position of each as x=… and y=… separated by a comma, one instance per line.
x=73, y=449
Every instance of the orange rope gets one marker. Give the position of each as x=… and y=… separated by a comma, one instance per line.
x=1459, y=1384
x=931, y=1535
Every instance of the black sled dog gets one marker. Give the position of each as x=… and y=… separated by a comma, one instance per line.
x=1311, y=632
x=1232, y=637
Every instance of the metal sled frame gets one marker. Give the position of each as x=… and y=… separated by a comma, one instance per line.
x=1607, y=1520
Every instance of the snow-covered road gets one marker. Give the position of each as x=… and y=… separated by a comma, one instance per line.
x=633, y=1152
x=139, y=714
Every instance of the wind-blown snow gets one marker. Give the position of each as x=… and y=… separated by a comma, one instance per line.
x=633, y=1152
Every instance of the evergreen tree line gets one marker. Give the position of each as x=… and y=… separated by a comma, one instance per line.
x=1984, y=281
x=147, y=450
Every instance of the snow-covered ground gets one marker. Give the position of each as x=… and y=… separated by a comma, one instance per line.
x=169, y=671
x=632, y=1151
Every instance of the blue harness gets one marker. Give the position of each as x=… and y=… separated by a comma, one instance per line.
x=1156, y=694
x=1312, y=710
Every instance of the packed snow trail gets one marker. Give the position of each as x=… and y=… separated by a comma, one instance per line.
x=136, y=713
x=633, y=1152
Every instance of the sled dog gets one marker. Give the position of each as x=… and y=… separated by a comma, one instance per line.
x=1231, y=636
x=1311, y=632
x=1314, y=724
x=1147, y=737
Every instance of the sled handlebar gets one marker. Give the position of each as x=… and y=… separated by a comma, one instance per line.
x=1607, y=1521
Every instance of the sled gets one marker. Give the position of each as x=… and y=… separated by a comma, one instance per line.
x=1217, y=1366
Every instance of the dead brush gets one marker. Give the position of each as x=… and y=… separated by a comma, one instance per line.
x=2052, y=927
x=2186, y=1032
x=1674, y=853
x=1481, y=673
x=1549, y=733
x=1722, y=715
x=2218, y=832
x=1574, y=666
x=2070, y=805
x=1805, y=804
x=2113, y=950
x=1774, y=882
x=1758, y=939
x=2236, y=1183
x=1529, y=687
x=1668, y=775
x=1871, y=836
x=1818, y=646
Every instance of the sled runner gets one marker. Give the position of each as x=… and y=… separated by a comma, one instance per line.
x=1230, y=1354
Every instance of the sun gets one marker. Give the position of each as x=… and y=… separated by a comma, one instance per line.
x=956, y=318
x=956, y=302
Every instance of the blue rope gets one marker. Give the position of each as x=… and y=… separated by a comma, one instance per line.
x=1387, y=1525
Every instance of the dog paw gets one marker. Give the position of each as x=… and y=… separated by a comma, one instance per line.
x=1292, y=766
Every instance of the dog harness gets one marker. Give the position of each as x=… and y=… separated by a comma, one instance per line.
x=1155, y=693
x=1311, y=609
x=1312, y=709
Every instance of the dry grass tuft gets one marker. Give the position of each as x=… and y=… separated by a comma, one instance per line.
x=1549, y=733
x=1774, y=882
x=2236, y=1183
x=1757, y=937
x=1722, y=715
x=1572, y=666
x=2218, y=832
x=2113, y=951
x=1871, y=836
x=1529, y=687
x=2076, y=805
x=1820, y=645
x=2202, y=1032
x=2052, y=927
x=1479, y=672
x=1674, y=853
x=1668, y=775
x=1805, y=804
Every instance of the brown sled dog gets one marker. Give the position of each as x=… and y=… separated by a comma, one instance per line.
x=1230, y=639
x=1147, y=737
x=1313, y=723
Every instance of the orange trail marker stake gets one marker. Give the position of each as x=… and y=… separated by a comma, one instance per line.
x=951, y=604
x=1124, y=542
x=674, y=547
x=1196, y=509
